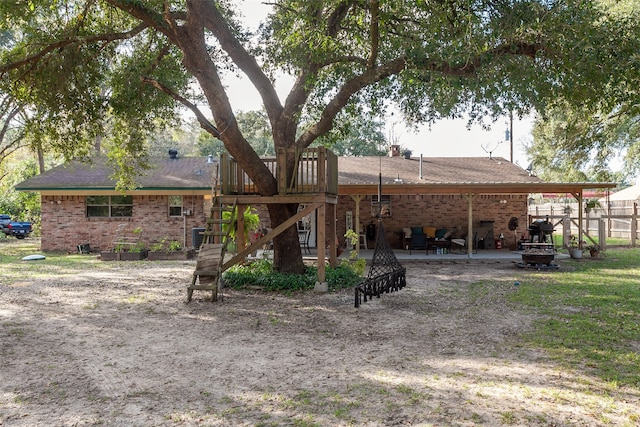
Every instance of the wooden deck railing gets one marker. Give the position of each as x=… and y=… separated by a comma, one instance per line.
x=315, y=171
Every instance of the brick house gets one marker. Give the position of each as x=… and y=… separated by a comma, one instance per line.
x=81, y=205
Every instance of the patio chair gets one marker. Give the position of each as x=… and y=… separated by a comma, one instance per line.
x=418, y=241
x=461, y=244
x=303, y=238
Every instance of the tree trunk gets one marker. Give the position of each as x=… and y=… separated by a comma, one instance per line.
x=190, y=38
x=41, y=166
x=287, y=255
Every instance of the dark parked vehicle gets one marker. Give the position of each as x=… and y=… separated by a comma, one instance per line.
x=14, y=228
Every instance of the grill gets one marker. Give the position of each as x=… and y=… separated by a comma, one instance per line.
x=541, y=230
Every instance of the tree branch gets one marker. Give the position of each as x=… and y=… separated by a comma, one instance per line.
x=472, y=66
x=374, y=33
x=341, y=99
x=376, y=74
x=215, y=22
x=204, y=122
x=108, y=37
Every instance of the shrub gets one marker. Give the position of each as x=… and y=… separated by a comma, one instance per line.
x=166, y=245
x=261, y=273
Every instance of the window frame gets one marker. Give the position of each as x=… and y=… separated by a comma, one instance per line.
x=175, y=206
x=386, y=205
x=109, y=205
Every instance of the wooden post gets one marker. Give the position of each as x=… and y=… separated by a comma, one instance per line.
x=321, y=284
x=470, y=239
x=566, y=231
x=333, y=237
x=357, y=227
x=634, y=224
x=580, y=219
x=322, y=170
x=602, y=234
x=240, y=237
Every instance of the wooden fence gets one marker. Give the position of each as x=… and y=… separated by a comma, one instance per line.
x=597, y=224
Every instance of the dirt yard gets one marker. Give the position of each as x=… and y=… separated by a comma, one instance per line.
x=117, y=345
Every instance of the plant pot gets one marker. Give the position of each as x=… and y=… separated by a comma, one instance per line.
x=171, y=256
x=110, y=256
x=575, y=253
x=133, y=256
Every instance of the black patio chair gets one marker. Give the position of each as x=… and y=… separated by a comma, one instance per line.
x=418, y=241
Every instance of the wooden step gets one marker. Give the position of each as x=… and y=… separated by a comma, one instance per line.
x=206, y=273
x=203, y=288
x=213, y=221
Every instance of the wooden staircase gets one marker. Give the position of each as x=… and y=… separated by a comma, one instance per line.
x=210, y=261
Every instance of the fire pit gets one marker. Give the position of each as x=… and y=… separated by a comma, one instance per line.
x=538, y=255
x=537, y=258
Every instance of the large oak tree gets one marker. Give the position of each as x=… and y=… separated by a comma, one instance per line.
x=86, y=66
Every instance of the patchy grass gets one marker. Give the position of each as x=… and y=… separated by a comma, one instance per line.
x=14, y=269
x=592, y=315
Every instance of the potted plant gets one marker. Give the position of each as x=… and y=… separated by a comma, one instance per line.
x=354, y=262
x=575, y=251
x=127, y=248
x=591, y=204
x=134, y=252
x=251, y=224
x=167, y=249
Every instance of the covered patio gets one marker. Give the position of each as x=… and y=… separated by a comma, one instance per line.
x=479, y=187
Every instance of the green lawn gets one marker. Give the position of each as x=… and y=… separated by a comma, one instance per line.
x=592, y=315
x=14, y=269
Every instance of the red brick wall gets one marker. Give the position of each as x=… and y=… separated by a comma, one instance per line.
x=65, y=225
x=441, y=211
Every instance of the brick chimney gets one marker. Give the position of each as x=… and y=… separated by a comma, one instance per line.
x=395, y=151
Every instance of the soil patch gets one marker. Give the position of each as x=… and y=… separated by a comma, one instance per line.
x=118, y=346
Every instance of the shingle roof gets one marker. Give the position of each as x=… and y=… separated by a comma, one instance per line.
x=180, y=173
x=195, y=174
x=435, y=170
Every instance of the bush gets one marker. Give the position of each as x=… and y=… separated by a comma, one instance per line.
x=260, y=273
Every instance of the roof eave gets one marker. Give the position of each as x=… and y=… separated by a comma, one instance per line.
x=475, y=188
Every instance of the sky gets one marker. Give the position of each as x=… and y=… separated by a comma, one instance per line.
x=445, y=138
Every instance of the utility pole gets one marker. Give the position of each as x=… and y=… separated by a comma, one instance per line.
x=509, y=133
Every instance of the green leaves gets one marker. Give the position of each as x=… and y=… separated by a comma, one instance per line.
x=79, y=62
x=580, y=144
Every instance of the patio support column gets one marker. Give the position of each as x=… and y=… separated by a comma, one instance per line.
x=578, y=197
x=333, y=236
x=321, y=285
x=470, y=238
x=580, y=219
x=356, y=198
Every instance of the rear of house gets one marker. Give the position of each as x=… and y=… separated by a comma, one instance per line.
x=80, y=203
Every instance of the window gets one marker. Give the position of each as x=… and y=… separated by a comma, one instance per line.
x=378, y=209
x=175, y=205
x=109, y=206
